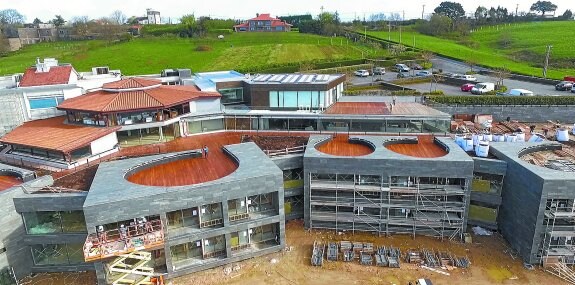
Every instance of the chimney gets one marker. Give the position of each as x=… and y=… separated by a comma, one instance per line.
x=257, y=15
x=37, y=60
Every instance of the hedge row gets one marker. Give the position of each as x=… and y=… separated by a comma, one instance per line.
x=294, y=67
x=503, y=100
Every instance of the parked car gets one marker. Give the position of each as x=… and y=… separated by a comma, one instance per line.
x=482, y=88
x=416, y=66
x=467, y=87
x=423, y=73
x=466, y=77
x=361, y=73
x=453, y=75
x=400, y=67
x=573, y=89
x=564, y=86
x=379, y=70
x=517, y=92
x=403, y=75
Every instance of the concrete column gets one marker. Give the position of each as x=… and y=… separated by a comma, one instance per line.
x=228, y=238
x=225, y=214
x=101, y=273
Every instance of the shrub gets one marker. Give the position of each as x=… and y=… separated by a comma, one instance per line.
x=405, y=92
x=435, y=92
x=503, y=100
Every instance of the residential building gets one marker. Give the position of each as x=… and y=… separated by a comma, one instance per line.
x=263, y=23
x=35, y=94
x=152, y=18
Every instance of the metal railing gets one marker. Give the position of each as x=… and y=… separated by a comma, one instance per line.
x=286, y=151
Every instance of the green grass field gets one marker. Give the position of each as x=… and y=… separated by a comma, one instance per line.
x=245, y=51
x=523, y=53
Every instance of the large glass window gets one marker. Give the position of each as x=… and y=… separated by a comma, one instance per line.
x=183, y=218
x=38, y=223
x=304, y=99
x=189, y=250
x=232, y=95
x=205, y=126
x=45, y=102
x=211, y=215
x=290, y=99
x=57, y=254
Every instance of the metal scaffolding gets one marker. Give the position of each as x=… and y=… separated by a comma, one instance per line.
x=389, y=204
x=558, y=243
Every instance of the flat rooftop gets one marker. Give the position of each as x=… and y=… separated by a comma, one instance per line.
x=293, y=78
x=342, y=146
x=55, y=134
x=8, y=181
x=358, y=108
x=206, y=81
x=424, y=147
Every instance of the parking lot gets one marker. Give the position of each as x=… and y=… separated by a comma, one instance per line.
x=451, y=66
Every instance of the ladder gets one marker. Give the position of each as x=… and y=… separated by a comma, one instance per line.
x=131, y=269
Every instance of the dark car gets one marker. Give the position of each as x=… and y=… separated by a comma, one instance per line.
x=564, y=86
x=467, y=87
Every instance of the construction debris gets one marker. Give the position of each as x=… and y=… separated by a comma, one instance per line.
x=562, y=271
x=332, y=252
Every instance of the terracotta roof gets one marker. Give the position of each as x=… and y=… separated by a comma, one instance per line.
x=56, y=75
x=358, y=108
x=151, y=98
x=54, y=134
x=265, y=17
x=130, y=83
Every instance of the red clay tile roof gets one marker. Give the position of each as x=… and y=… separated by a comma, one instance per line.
x=54, y=134
x=158, y=97
x=264, y=17
x=132, y=83
x=56, y=75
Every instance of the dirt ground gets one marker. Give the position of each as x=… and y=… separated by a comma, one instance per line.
x=74, y=278
x=490, y=264
x=275, y=142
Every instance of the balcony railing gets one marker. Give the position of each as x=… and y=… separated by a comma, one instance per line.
x=115, y=242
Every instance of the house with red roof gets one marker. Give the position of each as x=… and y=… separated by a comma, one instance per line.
x=263, y=23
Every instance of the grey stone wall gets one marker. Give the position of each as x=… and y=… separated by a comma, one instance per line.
x=490, y=166
x=520, y=113
x=18, y=254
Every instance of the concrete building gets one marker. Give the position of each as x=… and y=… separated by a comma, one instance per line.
x=152, y=18
x=263, y=23
x=387, y=185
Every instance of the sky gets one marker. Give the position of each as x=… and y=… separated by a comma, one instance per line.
x=244, y=9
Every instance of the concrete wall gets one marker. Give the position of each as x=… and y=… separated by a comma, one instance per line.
x=520, y=113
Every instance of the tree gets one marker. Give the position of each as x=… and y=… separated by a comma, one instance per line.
x=480, y=13
x=118, y=17
x=132, y=20
x=4, y=44
x=438, y=25
x=501, y=74
x=37, y=22
x=11, y=17
x=543, y=7
x=427, y=56
x=58, y=21
x=568, y=15
x=80, y=25
x=188, y=23
x=452, y=10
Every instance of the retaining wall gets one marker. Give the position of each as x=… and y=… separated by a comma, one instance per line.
x=531, y=113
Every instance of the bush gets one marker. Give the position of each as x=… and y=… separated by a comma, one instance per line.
x=203, y=48
x=405, y=92
x=436, y=92
x=503, y=100
x=221, y=31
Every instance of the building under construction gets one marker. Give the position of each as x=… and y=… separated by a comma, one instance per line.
x=387, y=185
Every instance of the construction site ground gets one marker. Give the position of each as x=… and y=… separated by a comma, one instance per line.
x=491, y=263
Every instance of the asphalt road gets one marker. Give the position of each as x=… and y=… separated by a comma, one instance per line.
x=452, y=66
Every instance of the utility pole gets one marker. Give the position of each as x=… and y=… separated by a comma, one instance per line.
x=321, y=9
x=547, y=54
x=516, y=9
x=389, y=32
x=402, y=19
x=365, y=33
x=422, y=11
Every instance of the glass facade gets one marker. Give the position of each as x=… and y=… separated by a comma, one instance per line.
x=378, y=125
x=232, y=95
x=57, y=254
x=183, y=218
x=196, y=127
x=297, y=99
x=38, y=223
x=189, y=250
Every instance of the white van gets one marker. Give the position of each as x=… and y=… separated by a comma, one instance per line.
x=482, y=88
x=466, y=77
x=519, y=92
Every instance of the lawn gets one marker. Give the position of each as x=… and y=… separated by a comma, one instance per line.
x=245, y=51
x=519, y=47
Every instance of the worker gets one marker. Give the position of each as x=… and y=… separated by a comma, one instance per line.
x=123, y=232
x=394, y=99
x=102, y=237
x=141, y=222
x=206, y=151
x=149, y=227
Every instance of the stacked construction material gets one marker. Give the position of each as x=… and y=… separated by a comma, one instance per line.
x=317, y=254
x=413, y=256
x=430, y=259
x=462, y=262
x=346, y=248
x=381, y=257
x=332, y=251
x=393, y=256
x=445, y=258
x=365, y=258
